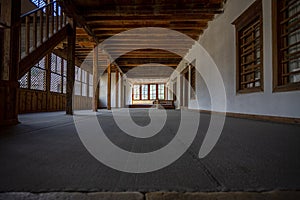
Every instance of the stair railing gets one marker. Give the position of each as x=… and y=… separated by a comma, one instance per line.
x=38, y=25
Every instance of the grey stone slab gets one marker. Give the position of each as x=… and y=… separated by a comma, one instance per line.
x=274, y=195
x=72, y=196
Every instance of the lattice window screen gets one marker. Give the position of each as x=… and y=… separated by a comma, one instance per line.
x=65, y=67
x=64, y=85
x=24, y=81
x=56, y=83
x=53, y=65
x=38, y=79
x=41, y=63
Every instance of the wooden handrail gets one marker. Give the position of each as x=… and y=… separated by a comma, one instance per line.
x=38, y=25
x=37, y=9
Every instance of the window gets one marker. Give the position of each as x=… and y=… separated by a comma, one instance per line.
x=144, y=92
x=84, y=83
x=249, y=39
x=58, y=74
x=35, y=79
x=193, y=82
x=286, y=45
x=161, y=91
x=91, y=89
x=136, y=92
x=77, y=84
x=153, y=91
x=148, y=92
x=38, y=77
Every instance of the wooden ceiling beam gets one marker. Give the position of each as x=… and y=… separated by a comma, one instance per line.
x=71, y=10
x=98, y=17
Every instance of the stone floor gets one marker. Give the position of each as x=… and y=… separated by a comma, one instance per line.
x=44, y=154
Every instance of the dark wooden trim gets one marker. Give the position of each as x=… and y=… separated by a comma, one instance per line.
x=1, y=50
x=149, y=92
x=270, y=118
x=9, y=102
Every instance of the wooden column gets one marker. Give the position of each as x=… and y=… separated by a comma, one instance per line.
x=9, y=66
x=48, y=78
x=70, y=69
x=109, y=87
x=95, y=79
x=117, y=88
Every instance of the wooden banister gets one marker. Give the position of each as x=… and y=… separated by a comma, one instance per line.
x=38, y=25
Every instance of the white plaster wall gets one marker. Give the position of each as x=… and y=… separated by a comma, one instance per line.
x=219, y=42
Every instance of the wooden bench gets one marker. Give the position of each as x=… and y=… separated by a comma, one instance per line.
x=167, y=104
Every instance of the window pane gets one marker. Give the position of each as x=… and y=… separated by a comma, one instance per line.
x=161, y=91
x=91, y=90
x=64, y=84
x=77, y=73
x=84, y=89
x=77, y=88
x=65, y=67
x=288, y=46
x=136, y=92
x=144, y=92
x=249, y=32
x=38, y=79
x=152, y=92
x=84, y=76
x=24, y=81
x=56, y=83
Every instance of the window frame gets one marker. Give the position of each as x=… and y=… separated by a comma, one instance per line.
x=247, y=19
x=277, y=57
x=154, y=93
x=140, y=94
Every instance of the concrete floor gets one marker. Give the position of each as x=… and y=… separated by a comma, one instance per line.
x=44, y=154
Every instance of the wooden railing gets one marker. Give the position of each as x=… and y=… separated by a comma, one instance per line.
x=38, y=25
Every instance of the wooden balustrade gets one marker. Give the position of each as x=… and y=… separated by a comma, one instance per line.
x=39, y=25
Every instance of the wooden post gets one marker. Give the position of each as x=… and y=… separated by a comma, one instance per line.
x=48, y=78
x=117, y=88
x=10, y=62
x=109, y=87
x=70, y=69
x=95, y=79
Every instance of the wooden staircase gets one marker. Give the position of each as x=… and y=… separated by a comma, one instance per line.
x=41, y=30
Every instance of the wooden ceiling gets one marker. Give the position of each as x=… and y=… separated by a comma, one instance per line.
x=100, y=20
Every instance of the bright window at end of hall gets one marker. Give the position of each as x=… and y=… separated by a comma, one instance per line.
x=153, y=92
x=144, y=92
x=161, y=91
x=136, y=92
